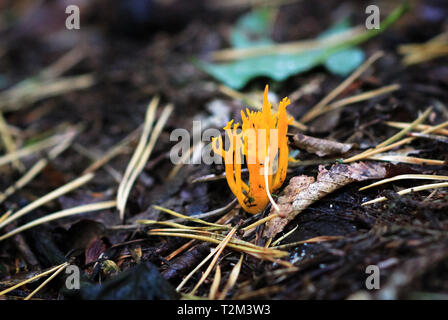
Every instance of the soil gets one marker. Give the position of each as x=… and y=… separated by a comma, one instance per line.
x=137, y=52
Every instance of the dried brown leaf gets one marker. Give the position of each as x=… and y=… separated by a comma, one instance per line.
x=321, y=147
x=94, y=250
x=303, y=191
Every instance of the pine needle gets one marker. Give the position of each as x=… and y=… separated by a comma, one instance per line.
x=286, y=48
x=142, y=153
x=422, y=52
x=149, y=119
x=284, y=236
x=258, y=293
x=47, y=281
x=26, y=151
x=188, y=218
x=435, y=137
x=266, y=182
x=405, y=159
x=420, y=127
x=51, y=270
x=358, y=98
x=59, y=215
x=268, y=243
x=178, y=225
x=409, y=190
x=377, y=150
x=8, y=141
x=311, y=114
x=405, y=177
x=311, y=240
x=238, y=245
x=92, y=156
x=38, y=167
x=114, y=151
x=403, y=132
x=212, y=213
x=5, y=216
x=219, y=250
x=183, y=160
x=261, y=221
x=232, y=278
x=210, y=255
x=215, y=284
x=179, y=250
x=33, y=89
x=48, y=197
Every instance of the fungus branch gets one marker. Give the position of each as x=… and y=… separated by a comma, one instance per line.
x=261, y=142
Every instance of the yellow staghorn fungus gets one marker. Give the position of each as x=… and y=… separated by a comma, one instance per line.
x=262, y=137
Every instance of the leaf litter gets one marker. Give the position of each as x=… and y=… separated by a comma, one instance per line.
x=303, y=191
x=61, y=174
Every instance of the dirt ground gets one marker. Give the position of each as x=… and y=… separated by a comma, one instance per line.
x=134, y=50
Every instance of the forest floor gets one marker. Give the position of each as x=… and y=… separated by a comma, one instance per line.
x=90, y=88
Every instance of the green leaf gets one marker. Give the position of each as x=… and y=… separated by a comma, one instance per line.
x=345, y=61
x=338, y=27
x=252, y=30
x=277, y=67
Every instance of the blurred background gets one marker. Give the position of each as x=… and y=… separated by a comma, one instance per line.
x=101, y=77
